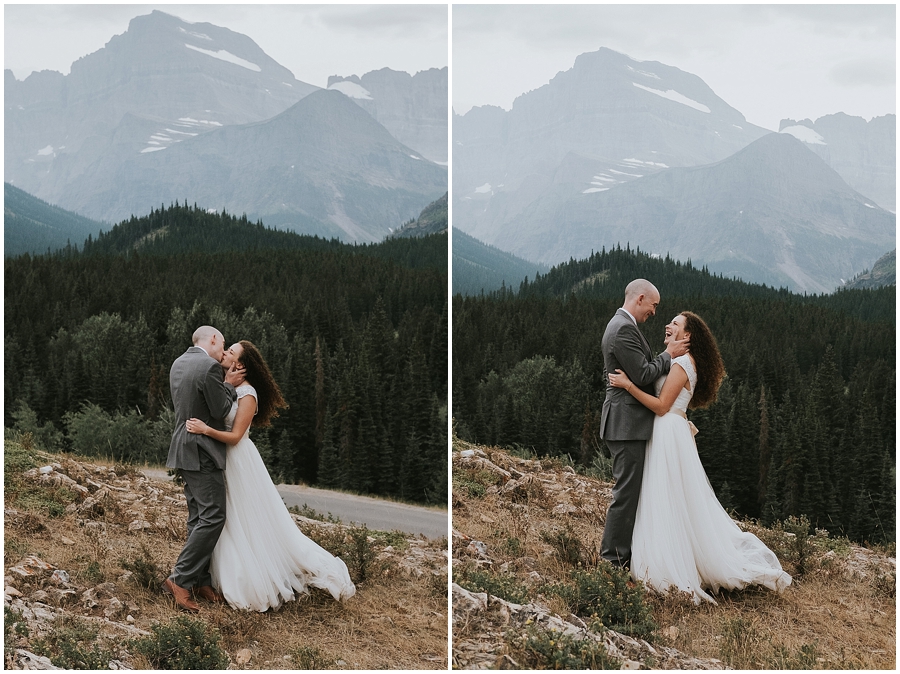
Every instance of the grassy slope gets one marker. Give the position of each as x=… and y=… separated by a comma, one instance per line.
x=397, y=620
x=840, y=613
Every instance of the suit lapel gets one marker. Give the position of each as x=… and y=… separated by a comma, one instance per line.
x=647, y=350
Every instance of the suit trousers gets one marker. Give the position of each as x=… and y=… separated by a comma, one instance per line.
x=205, y=493
x=628, y=471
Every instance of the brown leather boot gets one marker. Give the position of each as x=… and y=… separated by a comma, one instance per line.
x=181, y=595
x=209, y=593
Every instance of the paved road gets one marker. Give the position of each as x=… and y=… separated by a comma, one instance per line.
x=374, y=513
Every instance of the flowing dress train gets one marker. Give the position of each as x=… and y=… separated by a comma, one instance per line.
x=683, y=538
x=262, y=559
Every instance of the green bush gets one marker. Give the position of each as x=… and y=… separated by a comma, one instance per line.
x=127, y=437
x=566, y=544
x=14, y=625
x=182, y=643
x=542, y=648
x=353, y=546
x=503, y=586
x=144, y=570
x=72, y=644
x=46, y=435
x=313, y=514
x=607, y=597
x=309, y=657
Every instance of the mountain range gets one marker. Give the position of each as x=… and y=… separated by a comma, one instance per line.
x=617, y=150
x=175, y=110
x=412, y=107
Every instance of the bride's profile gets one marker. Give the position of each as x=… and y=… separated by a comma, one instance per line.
x=262, y=559
x=683, y=537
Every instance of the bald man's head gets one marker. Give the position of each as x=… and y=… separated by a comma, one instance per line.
x=641, y=299
x=210, y=340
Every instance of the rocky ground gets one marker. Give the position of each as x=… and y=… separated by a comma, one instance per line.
x=513, y=517
x=72, y=528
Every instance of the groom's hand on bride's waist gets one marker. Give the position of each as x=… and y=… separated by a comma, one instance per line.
x=678, y=347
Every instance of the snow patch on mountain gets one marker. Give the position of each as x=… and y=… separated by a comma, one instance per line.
x=352, y=90
x=201, y=36
x=484, y=189
x=643, y=72
x=673, y=95
x=805, y=134
x=226, y=56
x=591, y=190
x=46, y=151
x=152, y=149
x=632, y=160
x=190, y=121
x=622, y=173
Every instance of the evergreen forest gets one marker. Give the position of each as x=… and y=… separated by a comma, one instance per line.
x=356, y=337
x=805, y=420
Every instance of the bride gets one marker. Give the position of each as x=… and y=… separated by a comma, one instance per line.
x=683, y=538
x=262, y=559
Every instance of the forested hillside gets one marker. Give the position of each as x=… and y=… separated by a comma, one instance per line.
x=355, y=335
x=31, y=225
x=478, y=267
x=804, y=424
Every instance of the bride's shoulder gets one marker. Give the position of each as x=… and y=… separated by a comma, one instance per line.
x=244, y=390
x=685, y=362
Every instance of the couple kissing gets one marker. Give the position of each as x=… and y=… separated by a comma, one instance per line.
x=242, y=547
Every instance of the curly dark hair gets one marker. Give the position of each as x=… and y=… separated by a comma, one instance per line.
x=710, y=368
x=259, y=376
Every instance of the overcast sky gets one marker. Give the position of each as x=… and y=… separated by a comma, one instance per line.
x=312, y=41
x=770, y=62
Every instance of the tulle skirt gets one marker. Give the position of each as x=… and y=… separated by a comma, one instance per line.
x=683, y=538
x=262, y=559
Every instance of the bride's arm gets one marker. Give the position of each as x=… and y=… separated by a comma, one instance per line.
x=671, y=388
x=245, y=411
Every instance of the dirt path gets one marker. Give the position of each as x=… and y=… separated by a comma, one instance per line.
x=374, y=513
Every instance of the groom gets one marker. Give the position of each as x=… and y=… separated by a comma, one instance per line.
x=199, y=390
x=625, y=424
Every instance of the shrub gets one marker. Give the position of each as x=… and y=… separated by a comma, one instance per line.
x=566, y=544
x=353, y=546
x=606, y=596
x=313, y=514
x=503, y=586
x=182, y=643
x=46, y=435
x=144, y=570
x=127, y=437
x=541, y=648
x=72, y=644
x=14, y=625
x=309, y=657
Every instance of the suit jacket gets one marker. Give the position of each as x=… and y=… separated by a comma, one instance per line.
x=199, y=390
x=625, y=348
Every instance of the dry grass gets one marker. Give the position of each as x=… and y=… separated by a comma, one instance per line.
x=397, y=620
x=840, y=615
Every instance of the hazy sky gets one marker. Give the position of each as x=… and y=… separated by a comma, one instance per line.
x=770, y=62
x=312, y=41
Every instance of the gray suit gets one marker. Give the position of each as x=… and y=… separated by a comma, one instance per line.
x=625, y=426
x=199, y=390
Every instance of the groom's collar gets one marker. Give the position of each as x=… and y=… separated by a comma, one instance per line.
x=197, y=346
x=628, y=313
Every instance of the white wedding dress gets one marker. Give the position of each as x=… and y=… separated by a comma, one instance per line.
x=262, y=559
x=683, y=538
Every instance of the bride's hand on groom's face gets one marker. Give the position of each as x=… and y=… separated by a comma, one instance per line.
x=235, y=375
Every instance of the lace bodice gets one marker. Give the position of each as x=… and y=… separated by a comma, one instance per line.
x=684, y=396
x=242, y=390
